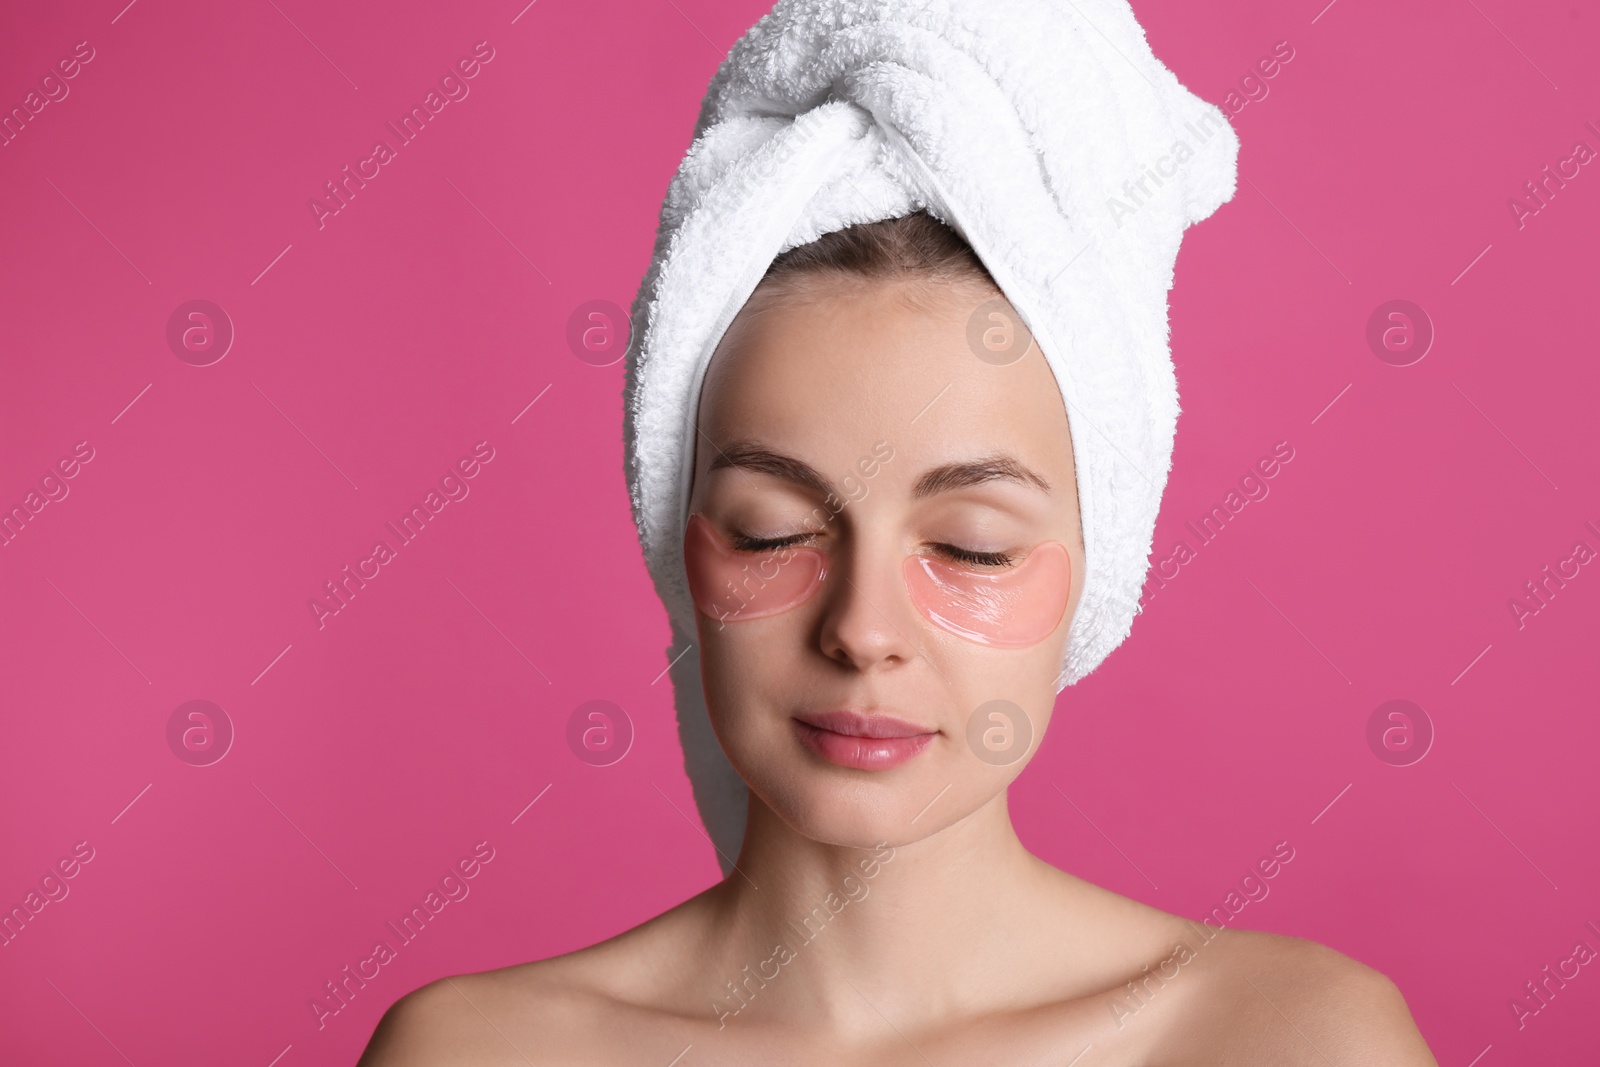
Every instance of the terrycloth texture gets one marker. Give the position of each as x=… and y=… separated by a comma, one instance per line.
x=1045, y=133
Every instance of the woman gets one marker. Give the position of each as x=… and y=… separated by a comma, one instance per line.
x=882, y=909
x=887, y=476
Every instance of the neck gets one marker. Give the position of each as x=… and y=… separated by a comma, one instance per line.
x=915, y=931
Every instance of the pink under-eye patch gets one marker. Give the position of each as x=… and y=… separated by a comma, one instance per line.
x=1011, y=609
x=733, y=586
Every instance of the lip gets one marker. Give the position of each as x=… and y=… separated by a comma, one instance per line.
x=867, y=742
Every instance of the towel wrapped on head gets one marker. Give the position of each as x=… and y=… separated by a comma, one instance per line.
x=1046, y=134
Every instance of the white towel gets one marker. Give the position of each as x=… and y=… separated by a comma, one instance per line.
x=1046, y=134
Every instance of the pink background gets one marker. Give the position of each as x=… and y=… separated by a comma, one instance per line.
x=371, y=354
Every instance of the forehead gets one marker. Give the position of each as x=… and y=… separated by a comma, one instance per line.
x=826, y=371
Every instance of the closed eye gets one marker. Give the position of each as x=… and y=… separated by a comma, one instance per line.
x=982, y=559
x=744, y=543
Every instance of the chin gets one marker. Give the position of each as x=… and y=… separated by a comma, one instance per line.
x=904, y=799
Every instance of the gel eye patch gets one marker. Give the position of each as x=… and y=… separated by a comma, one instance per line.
x=733, y=586
x=1013, y=609
x=1010, y=609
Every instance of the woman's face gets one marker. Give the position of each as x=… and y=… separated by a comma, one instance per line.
x=884, y=523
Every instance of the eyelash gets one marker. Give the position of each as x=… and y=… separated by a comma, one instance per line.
x=743, y=543
x=985, y=559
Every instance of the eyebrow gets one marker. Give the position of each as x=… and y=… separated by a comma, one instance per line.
x=998, y=466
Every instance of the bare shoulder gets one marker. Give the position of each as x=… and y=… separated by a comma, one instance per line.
x=428, y=1025
x=1277, y=1000
x=586, y=1006
x=516, y=1015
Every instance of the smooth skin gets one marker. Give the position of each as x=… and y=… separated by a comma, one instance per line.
x=963, y=947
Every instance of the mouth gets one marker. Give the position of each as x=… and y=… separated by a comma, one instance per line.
x=866, y=742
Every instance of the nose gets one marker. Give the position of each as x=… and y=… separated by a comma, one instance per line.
x=867, y=621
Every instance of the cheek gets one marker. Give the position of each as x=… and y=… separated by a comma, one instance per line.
x=1015, y=609
x=732, y=586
